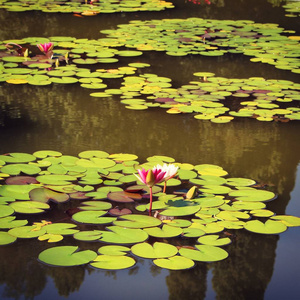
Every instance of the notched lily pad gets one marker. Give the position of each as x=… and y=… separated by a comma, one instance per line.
x=66, y=256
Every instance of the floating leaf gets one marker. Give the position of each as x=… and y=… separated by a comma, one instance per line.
x=165, y=232
x=44, y=195
x=61, y=228
x=289, y=221
x=92, y=217
x=252, y=195
x=269, y=227
x=113, y=250
x=158, y=250
x=66, y=256
x=119, y=235
x=52, y=238
x=91, y=235
x=56, y=179
x=6, y=210
x=20, y=192
x=123, y=197
x=213, y=240
x=29, y=207
x=10, y=222
x=27, y=232
x=6, y=238
x=205, y=253
x=113, y=262
x=174, y=263
x=137, y=221
x=95, y=205
x=17, y=158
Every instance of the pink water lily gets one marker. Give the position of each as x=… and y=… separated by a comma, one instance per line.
x=150, y=178
x=46, y=47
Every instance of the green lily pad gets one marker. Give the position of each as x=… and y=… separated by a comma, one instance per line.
x=6, y=238
x=50, y=237
x=240, y=205
x=165, y=232
x=10, y=222
x=269, y=227
x=192, y=232
x=158, y=250
x=214, y=240
x=261, y=213
x=174, y=263
x=113, y=250
x=205, y=253
x=17, y=158
x=289, y=221
x=252, y=195
x=206, y=169
x=231, y=224
x=232, y=215
x=56, y=179
x=93, y=217
x=89, y=235
x=6, y=210
x=47, y=153
x=129, y=53
x=27, y=232
x=178, y=223
x=63, y=80
x=66, y=256
x=16, y=169
x=215, y=189
x=209, y=201
x=181, y=208
x=113, y=262
x=120, y=235
x=208, y=179
x=137, y=221
x=29, y=207
x=61, y=228
x=95, y=205
x=207, y=228
x=240, y=182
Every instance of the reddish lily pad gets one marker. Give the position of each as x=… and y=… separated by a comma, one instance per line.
x=45, y=195
x=123, y=197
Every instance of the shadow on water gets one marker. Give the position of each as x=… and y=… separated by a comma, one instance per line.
x=67, y=119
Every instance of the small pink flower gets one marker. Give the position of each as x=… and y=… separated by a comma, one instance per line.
x=46, y=47
x=150, y=178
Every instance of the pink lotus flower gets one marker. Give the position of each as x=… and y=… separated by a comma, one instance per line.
x=46, y=47
x=150, y=178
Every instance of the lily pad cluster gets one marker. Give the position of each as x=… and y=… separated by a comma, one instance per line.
x=190, y=222
x=86, y=8
x=217, y=99
x=209, y=98
x=292, y=9
x=264, y=42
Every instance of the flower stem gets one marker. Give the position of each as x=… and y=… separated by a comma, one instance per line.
x=150, y=208
x=165, y=186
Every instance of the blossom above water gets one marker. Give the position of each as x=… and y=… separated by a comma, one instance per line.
x=170, y=170
x=151, y=177
x=46, y=47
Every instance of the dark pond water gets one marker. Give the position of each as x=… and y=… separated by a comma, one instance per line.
x=67, y=119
